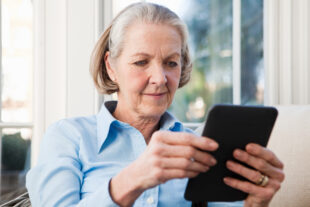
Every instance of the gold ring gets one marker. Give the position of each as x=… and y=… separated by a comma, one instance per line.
x=263, y=181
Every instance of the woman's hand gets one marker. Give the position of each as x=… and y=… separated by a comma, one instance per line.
x=173, y=155
x=266, y=163
x=168, y=155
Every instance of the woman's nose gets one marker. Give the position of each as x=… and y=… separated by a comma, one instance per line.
x=158, y=75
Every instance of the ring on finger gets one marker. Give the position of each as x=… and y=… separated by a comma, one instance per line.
x=263, y=181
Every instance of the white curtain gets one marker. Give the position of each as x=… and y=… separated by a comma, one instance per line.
x=287, y=51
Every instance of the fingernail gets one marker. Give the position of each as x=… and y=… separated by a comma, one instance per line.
x=250, y=146
x=213, y=144
x=238, y=153
x=213, y=161
x=226, y=180
x=229, y=164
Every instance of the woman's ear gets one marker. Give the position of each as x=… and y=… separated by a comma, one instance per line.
x=108, y=65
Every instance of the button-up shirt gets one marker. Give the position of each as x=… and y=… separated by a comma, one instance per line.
x=79, y=156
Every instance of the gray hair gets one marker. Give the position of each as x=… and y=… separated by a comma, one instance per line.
x=113, y=38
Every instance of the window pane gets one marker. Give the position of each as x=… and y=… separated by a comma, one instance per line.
x=15, y=160
x=252, y=72
x=17, y=61
x=210, y=30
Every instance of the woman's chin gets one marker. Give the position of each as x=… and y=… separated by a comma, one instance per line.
x=154, y=111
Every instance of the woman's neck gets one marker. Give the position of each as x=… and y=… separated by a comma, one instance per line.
x=146, y=125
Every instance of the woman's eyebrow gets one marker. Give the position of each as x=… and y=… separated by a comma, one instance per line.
x=141, y=54
x=175, y=54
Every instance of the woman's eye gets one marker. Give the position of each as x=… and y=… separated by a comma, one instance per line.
x=141, y=63
x=172, y=64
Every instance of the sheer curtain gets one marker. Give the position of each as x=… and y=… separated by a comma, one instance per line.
x=287, y=52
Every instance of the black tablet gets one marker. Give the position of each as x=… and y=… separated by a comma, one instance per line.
x=232, y=127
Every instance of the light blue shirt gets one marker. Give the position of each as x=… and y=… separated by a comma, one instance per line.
x=79, y=156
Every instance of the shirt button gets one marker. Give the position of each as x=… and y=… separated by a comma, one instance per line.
x=150, y=200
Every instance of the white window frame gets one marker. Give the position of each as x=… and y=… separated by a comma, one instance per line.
x=236, y=45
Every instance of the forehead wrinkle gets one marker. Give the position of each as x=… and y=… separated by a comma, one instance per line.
x=142, y=43
x=143, y=54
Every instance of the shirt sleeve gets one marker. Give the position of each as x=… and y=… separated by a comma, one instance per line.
x=226, y=204
x=57, y=178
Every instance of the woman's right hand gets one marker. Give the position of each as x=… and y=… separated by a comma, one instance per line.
x=168, y=155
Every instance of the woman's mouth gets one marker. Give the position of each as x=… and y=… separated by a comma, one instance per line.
x=155, y=95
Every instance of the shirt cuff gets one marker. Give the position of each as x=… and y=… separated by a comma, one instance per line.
x=226, y=204
x=101, y=197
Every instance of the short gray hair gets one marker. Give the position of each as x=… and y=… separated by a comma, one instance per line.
x=113, y=38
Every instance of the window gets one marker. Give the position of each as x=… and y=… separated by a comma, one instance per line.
x=16, y=92
x=226, y=43
x=210, y=25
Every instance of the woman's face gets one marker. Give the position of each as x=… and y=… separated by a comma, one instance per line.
x=148, y=69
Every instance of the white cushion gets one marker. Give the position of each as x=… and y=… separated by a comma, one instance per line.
x=290, y=140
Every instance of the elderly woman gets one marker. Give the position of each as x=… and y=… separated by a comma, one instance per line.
x=134, y=153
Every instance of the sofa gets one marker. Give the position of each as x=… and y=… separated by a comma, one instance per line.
x=290, y=140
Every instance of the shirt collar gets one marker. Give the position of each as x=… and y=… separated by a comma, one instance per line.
x=169, y=122
x=105, y=119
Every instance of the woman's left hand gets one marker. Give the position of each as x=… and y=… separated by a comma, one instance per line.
x=266, y=163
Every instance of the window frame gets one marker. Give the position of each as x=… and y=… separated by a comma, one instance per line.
x=5, y=125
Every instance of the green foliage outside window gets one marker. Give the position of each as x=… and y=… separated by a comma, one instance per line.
x=210, y=28
x=210, y=24
x=14, y=152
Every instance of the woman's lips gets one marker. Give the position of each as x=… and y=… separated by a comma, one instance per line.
x=155, y=95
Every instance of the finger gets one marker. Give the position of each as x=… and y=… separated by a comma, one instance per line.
x=265, y=154
x=250, y=174
x=189, y=153
x=182, y=138
x=259, y=164
x=183, y=164
x=250, y=188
